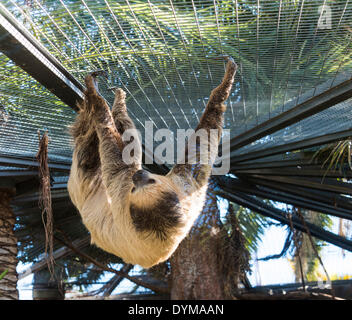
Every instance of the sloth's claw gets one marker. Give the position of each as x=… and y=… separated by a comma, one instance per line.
x=230, y=61
x=100, y=72
x=91, y=79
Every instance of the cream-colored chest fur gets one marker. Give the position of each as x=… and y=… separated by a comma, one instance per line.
x=112, y=230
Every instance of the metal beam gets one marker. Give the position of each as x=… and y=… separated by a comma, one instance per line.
x=331, y=199
x=230, y=184
x=23, y=162
x=33, y=208
x=279, y=215
x=341, y=289
x=17, y=173
x=297, y=172
x=303, y=158
x=21, y=47
x=297, y=145
x=34, y=197
x=270, y=164
x=317, y=103
x=336, y=187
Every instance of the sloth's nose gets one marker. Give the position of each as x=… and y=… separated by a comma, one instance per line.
x=140, y=177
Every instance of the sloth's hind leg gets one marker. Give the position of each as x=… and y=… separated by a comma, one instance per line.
x=85, y=141
x=116, y=174
x=123, y=122
x=119, y=112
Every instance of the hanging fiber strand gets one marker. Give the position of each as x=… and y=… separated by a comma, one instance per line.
x=45, y=199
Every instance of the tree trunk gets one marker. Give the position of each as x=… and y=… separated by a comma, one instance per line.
x=308, y=258
x=8, y=249
x=195, y=270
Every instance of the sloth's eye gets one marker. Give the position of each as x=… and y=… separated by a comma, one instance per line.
x=150, y=181
x=133, y=189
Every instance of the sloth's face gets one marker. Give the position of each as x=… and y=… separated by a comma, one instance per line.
x=148, y=188
x=142, y=179
x=154, y=204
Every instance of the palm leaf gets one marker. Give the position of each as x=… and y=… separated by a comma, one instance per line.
x=3, y=274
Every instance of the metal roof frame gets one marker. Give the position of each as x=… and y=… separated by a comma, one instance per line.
x=25, y=162
x=297, y=145
x=324, y=197
x=317, y=103
x=301, y=158
x=26, y=52
x=269, y=211
x=301, y=171
x=312, y=183
x=232, y=184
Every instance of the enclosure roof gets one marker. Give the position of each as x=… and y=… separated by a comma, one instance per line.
x=162, y=54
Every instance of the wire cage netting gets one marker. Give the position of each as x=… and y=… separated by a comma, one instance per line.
x=26, y=107
x=335, y=119
x=162, y=54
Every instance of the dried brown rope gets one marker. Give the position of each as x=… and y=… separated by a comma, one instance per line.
x=45, y=199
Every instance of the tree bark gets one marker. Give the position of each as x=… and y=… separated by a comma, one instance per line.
x=8, y=249
x=195, y=270
x=309, y=259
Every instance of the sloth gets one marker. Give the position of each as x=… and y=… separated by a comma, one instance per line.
x=134, y=214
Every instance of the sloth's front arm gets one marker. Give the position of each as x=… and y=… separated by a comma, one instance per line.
x=211, y=122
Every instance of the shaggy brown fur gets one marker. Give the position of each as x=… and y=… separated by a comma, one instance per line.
x=136, y=215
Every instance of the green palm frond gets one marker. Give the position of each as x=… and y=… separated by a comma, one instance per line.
x=335, y=156
x=252, y=226
x=3, y=274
